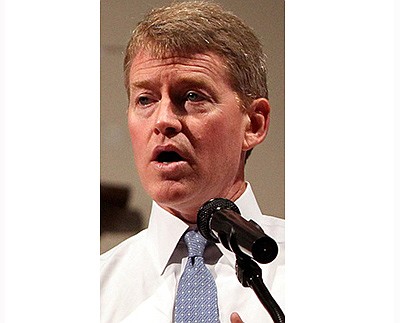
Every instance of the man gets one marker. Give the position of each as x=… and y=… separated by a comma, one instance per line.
x=195, y=77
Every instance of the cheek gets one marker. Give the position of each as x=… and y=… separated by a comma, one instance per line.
x=223, y=138
x=138, y=141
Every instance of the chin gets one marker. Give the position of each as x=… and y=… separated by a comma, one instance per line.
x=179, y=200
x=170, y=193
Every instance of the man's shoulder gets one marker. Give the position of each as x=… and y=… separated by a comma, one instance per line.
x=273, y=226
x=273, y=220
x=131, y=247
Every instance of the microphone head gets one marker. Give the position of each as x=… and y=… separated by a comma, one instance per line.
x=207, y=211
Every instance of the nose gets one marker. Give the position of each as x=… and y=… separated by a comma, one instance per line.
x=168, y=122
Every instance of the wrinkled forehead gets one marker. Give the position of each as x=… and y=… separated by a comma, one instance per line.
x=209, y=60
x=207, y=66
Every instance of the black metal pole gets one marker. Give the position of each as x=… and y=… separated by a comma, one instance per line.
x=250, y=275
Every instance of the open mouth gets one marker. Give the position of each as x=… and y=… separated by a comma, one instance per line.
x=167, y=157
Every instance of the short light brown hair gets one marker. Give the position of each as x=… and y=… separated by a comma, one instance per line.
x=197, y=27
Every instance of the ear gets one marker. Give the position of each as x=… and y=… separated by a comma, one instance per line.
x=258, y=123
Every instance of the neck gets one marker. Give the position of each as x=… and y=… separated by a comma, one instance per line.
x=188, y=214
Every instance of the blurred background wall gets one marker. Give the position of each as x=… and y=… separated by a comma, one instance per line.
x=125, y=206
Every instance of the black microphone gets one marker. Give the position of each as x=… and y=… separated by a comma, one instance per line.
x=219, y=220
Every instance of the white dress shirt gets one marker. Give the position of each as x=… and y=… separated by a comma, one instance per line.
x=139, y=277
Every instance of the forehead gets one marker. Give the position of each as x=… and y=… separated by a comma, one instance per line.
x=208, y=65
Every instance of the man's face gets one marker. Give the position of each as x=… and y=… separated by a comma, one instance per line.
x=187, y=130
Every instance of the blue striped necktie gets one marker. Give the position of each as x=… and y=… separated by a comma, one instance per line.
x=196, y=298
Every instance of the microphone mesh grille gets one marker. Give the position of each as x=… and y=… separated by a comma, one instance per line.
x=207, y=211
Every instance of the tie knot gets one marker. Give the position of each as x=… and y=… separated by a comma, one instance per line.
x=195, y=243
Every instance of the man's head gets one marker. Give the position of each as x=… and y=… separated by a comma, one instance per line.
x=188, y=28
x=197, y=104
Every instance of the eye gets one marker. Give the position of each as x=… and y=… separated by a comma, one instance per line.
x=194, y=97
x=144, y=100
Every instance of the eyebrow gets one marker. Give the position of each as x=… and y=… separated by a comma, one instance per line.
x=143, y=84
x=198, y=82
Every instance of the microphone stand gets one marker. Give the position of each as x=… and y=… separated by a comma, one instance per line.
x=250, y=275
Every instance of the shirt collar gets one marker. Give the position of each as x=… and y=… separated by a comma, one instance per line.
x=165, y=230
